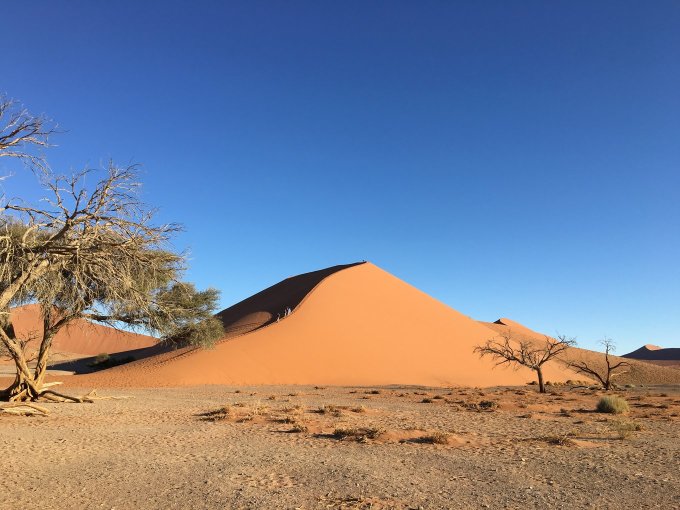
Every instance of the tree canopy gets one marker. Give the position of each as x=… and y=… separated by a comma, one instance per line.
x=91, y=253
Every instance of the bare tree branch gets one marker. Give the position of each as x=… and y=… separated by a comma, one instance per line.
x=605, y=373
x=519, y=352
x=22, y=134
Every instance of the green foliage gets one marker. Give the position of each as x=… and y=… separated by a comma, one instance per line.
x=612, y=405
x=103, y=360
x=189, y=315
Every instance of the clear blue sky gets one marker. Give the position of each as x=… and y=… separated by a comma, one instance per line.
x=517, y=159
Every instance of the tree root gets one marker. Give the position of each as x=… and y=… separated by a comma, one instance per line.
x=94, y=396
x=26, y=396
x=23, y=409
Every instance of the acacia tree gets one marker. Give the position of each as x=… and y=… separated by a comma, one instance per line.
x=530, y=354
x=92, y=254
x=606, y=372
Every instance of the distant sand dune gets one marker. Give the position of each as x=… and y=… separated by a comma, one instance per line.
x=669, y=357
x=80, y=337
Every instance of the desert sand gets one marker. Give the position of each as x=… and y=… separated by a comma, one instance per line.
x=363, y=448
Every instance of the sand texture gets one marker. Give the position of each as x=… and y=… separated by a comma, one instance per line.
x=277, y=448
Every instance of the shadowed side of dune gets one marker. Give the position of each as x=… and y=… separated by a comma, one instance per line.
x=264, y=307
x=653, y=353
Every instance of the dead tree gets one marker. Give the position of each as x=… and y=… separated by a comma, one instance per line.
x=93, y=254
x=530, y=354
x=22, y=134
x=604, y=373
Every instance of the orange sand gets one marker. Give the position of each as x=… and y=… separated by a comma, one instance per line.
x=358, y=325
x=80, y=337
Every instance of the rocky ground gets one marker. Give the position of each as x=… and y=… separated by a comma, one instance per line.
x=342, y=448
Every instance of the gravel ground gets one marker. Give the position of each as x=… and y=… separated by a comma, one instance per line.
x=524, y=450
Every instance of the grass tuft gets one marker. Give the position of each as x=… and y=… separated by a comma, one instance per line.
x=612, y=405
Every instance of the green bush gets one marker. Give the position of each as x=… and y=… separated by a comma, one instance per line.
x=101, y=359
x=612, y=405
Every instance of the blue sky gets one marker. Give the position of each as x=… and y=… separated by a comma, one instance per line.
x=517, y=159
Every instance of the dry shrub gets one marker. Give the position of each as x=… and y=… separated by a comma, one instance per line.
x=484, y=405
x=625, y=428
x=299, y=427
x=221, y=414
x=559, y=440
x=359, y=433
x=333, y=410
x=435, y=438
x=612, y=404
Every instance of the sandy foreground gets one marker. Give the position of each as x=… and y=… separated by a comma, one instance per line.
x=340, y=447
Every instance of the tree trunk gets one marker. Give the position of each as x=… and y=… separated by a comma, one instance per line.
x=48, y=335
x=25, y=386
x=541, y=384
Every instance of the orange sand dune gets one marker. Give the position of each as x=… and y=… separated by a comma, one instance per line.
x=80, y=337
x=264, y=307
x=357, y=326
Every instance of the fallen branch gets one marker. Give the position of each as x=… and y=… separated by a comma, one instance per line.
x=93, y=396
x=23, y=408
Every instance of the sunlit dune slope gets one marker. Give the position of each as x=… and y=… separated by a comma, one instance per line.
x=80, y=337
x=637, y=373
x=357, y=326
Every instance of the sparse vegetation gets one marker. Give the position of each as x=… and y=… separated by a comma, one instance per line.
x=484, y=405
x=359, y=434
x=330, y=409
x=518, y=352
x=221, y=414
x=625, y=428
x=299, y=427
x=612, y=405
x=559, y=440
x=103, y=360
x=435, y=438
x=607, y=371
x=488, y=405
